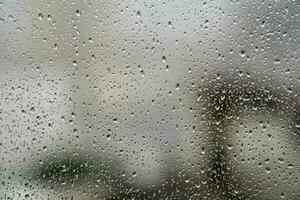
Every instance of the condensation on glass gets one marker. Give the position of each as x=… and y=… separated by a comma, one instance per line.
x=181, y=99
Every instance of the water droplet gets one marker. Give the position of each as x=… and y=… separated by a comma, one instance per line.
x=41, y=16
x=78, y=13
x=242, y=53
x=134, y=174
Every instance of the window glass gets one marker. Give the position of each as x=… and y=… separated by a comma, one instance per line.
x=181, y=99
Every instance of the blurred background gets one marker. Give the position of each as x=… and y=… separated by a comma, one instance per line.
x=149, y=99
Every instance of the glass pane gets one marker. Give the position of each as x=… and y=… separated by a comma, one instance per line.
x=181, y=99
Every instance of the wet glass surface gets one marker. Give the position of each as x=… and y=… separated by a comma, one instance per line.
x=149, y=99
